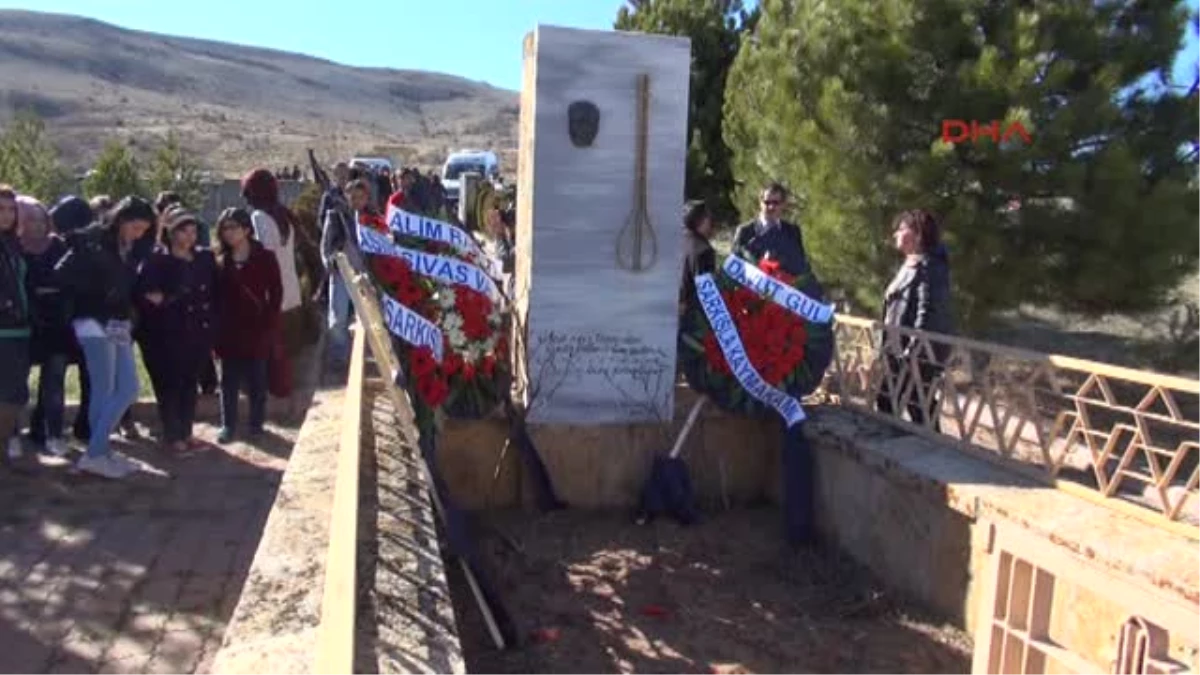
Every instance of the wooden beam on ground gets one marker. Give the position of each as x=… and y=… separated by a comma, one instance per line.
x=339, y=606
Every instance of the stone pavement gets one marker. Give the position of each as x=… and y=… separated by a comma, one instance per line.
x=136, y=576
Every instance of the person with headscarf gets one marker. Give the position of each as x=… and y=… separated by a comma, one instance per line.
x=98, y=274
x=275, y=227
x=53, y=340
x=176, y=298
x=70, y=214
x=15, y=325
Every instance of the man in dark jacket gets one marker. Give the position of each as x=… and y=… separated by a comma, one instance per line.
x=769, y=235
x=336, y=228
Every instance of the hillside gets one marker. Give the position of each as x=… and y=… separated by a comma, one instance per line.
x=235, y=106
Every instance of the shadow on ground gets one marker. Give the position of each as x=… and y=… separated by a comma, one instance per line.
x=138, y=575
x=596, y=594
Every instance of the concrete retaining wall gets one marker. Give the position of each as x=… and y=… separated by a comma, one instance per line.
x=920, y=514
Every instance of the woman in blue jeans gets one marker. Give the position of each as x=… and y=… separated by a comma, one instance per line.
x=98, y=274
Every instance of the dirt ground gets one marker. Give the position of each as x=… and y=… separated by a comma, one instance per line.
x=594, y=593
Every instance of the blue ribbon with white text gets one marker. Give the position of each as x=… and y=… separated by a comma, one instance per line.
x=791, y=299
x=439, y=267
x=735, y=353
x=411, y=327
x=421, y=227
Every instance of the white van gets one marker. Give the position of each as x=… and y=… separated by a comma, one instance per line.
x=375, y=164
x=482, y=162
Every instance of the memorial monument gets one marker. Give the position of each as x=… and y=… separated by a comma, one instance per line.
x=603, y=145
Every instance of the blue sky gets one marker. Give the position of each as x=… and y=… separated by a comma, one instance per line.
x=476, y=39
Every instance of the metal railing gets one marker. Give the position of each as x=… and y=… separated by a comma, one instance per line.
x=1102, y=431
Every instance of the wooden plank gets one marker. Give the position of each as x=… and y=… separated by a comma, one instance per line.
x=339, y=608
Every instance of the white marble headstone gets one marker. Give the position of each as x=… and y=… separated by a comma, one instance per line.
x=601, y=337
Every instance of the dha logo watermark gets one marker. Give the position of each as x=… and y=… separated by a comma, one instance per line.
x=957, y=131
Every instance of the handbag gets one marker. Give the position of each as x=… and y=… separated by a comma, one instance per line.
x=279, y=369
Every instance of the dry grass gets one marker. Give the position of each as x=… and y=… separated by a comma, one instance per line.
x=235, y=106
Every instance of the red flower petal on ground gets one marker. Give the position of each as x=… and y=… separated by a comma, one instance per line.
x=656, y=611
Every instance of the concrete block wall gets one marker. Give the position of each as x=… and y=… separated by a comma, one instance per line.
x=920, y=514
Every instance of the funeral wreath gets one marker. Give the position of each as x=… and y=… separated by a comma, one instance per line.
x=438, y=299
x=755, y=339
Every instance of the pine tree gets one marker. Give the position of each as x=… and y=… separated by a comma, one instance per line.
x=845, y=101
x=115, y=174
x=715, y=28
x=29, y=162
x=173, y=168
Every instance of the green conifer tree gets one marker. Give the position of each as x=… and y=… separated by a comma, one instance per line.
x=29, y=161
x=844, y=101
x=715, y=28
x=115, y=173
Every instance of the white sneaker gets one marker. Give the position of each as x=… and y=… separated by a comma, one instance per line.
x=128, y=465
x=57, y=447
x=105, y=467
x=14, y=448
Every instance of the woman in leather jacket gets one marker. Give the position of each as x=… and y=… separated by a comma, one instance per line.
x=918, y=297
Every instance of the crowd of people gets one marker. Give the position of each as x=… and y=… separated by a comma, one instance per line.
x=82, y=283
x=359, y=193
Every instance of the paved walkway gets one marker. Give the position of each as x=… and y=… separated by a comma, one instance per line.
x=135, y=576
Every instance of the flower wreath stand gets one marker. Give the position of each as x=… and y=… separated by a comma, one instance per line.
x=370, y=306
x=755, y=341
x=437, y=271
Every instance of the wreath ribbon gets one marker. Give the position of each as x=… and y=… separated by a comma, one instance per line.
x=439, y=267
x=422, y=227
x=791, y=299
x=731, y=345
x=411, y=327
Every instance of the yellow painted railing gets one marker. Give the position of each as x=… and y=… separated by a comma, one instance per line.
x=1102, y=431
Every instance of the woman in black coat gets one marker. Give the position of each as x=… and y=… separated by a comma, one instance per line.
x=53, y=346
x=69, y=215
x=918, y=297
x=699, y=256
x=176, y=297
